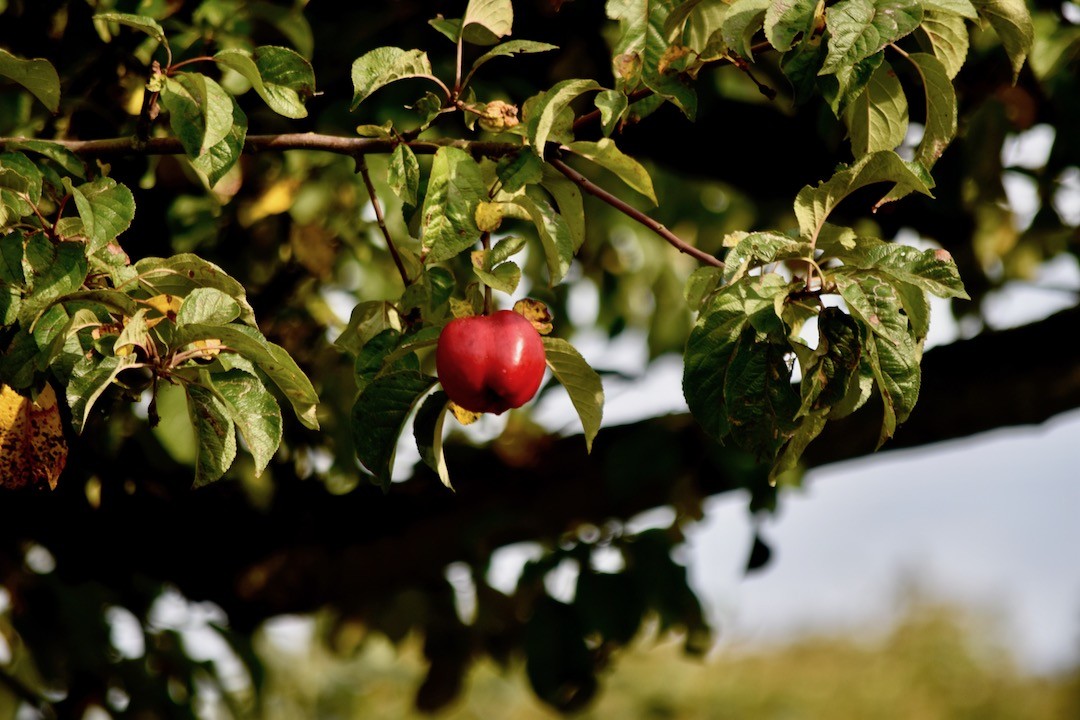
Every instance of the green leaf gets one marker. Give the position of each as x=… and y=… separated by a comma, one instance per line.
x=200, y=111
x=456, y=185
x=612, y=105
x=180, y=274
x=940, y=115
x=931, y=270
x=801, y=65
x=385, y=65
x=367, y=320
x=37, y=75
x=581, y=382
x=605, y=154
x=700, y=285
x=215, y=434
x=105, y=207
x=542, y=116
x=208, y=306
x=504, y=277
x=134, y=332
x=253, y=410
x=842, y=87
x=448, y=28
x=51, y=271
x=787, y=19
x=403, y=175
x=268, y=357
x=1012, y=22
x=71, y=163
x=760, y=248
x=946, y=36
x=280, y=76
x=89, y=378
x=736, y=379
x=861, y=28
x=146, y=24
x=514, y=47
x=567, y=196
x=219, y=159
x=878, y=119
x=428, y=431
x=639, y=53
x=553, y=231
x=813, y=204
x=20, y=186
x=835, y=361
x=379, y=415
x=486, y=21
x=520, y=170
x=890, y=349
x=963, y=8
x=505, y=249
x=742, y=21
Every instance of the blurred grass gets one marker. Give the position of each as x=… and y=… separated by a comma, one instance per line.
x=937, y=662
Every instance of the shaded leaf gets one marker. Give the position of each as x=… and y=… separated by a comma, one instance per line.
x=215, y=434
x=428, y=431
x=787, y=19
x=946, y=36
x=1012, y=22
x=37, y=75
x=179, y=274
x=146, y=24
x=253, y=410
x=89, y=378
x=379, y=415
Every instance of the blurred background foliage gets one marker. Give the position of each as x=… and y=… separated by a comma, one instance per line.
x=96, y=577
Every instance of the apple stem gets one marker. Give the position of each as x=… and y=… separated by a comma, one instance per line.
x=361, y=167
x=485, y=240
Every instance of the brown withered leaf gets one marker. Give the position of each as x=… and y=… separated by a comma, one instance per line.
x=32, y=446
x=535, y=312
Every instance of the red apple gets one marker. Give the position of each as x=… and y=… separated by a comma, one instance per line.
x=490, y=363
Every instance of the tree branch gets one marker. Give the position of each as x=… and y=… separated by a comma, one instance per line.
x=633, y=213
x=353, y=146
x=361, y=167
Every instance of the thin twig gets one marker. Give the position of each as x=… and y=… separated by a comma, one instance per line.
x=633, y=213
x=485, y=241
x=361, y=167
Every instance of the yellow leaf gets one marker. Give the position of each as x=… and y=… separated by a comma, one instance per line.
x=535, y=312
x=275, y=200
x=32, y=446
x=463, y=416
x=166, y=305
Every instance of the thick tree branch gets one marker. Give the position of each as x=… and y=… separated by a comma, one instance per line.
x=311, y=548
